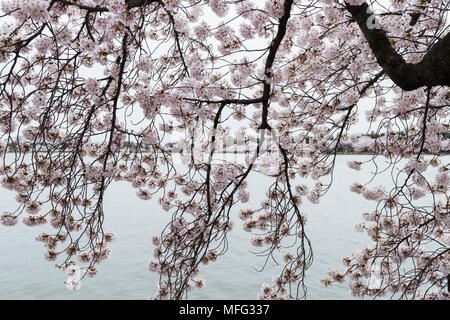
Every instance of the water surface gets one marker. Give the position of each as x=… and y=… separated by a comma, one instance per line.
x=25, y=274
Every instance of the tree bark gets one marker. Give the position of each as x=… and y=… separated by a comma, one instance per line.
x=432, y=70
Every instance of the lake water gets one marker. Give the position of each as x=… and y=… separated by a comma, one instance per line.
x=25, y=274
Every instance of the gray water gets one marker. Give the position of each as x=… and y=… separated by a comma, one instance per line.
x=25, y=274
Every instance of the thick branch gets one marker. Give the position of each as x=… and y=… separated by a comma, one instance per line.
x=276, y=42
x=130, y=5
x=139, y=3
x=227, y=101
x=433, y=70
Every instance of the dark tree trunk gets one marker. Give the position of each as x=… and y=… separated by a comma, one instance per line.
x=433, y=70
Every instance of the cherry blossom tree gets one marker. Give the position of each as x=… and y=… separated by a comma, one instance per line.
x=85, y=84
